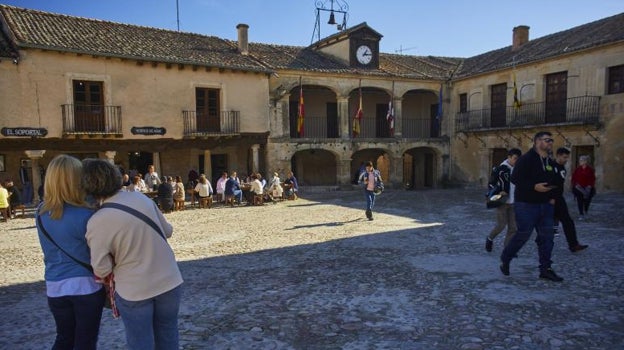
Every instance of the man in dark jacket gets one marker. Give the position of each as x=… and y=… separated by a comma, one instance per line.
x=561, y=207
x=533, y=177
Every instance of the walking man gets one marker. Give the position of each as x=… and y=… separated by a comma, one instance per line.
x=561, y=207
x=371, y=180
x=505, y=213
x=533, y=177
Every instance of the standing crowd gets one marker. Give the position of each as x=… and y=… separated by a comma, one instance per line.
x=531, y=187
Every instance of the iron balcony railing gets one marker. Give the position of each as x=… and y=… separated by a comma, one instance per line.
x=573, y=111
x=81, y=119
x=203, y=124
x=420, y=128
x=315, y=127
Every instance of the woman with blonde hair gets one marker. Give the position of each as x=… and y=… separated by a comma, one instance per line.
x=74, y=297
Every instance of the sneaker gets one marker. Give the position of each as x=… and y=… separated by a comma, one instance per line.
x=504, y=267
x=581, y=217
x=556, y=230
x=578, y=248
x=488, y=244
x=549, y=274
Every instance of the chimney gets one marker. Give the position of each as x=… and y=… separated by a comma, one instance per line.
x=243, y=43
x=520, y=37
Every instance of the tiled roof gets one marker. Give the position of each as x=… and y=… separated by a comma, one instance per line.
x=280, y=57
x=605, y=31
x=36, y=29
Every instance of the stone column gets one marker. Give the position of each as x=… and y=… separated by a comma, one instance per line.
x=343, y=167
x=343, y=117
x=255, y=159
x=207, y=165
x=284, y=115
x=396, y=172
x=156, y=161
x=110, y=156
x=397, y=102
x=36, y=175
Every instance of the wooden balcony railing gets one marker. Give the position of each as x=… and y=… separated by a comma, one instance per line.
x=200, y=124
x=91, y=119
x=575, y=111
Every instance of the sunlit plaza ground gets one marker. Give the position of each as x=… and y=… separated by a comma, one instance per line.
x=315, y=274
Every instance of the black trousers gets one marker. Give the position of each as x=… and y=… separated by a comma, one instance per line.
x=582, y=202
x=563, y=215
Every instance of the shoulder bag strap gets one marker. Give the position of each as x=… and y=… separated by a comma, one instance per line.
x=45, y=233
x=136, y=213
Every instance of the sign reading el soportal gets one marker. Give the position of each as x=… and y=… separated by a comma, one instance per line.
x=24, y=132
x=147, y=130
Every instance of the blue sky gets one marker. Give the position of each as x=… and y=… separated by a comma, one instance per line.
x=454, y=28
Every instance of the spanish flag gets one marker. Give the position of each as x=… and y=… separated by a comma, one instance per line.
x=301, y=115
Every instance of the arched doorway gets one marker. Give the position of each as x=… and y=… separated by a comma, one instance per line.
x=419, y=168
x=380, y=159
x=315, y=167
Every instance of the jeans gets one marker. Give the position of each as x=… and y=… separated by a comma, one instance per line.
x=239, y=195
x=370, y=199
x=530, y=216
x=151, y=323
x=77, y=319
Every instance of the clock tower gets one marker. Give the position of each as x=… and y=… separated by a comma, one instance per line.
x=357, y=46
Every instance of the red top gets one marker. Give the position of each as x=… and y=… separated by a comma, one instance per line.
x=584, y=177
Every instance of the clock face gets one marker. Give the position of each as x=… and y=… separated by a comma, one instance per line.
x=364, y=54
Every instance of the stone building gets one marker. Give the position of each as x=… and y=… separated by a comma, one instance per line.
x=182, y=101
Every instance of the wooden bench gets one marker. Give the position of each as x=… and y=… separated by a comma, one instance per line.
x=22, y=207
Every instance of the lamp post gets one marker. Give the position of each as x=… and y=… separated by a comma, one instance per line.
x=333, y=7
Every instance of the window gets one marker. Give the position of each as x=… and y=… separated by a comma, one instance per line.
x=463, y=103
x=616, y=80
x=208, y=109
x=88, y=105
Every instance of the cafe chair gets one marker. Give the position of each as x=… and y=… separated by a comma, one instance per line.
x=258, y=199
x=205, y=202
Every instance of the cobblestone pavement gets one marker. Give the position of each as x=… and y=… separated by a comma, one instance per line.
x=315, y=274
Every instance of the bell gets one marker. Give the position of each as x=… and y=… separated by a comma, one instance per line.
x=332, y=20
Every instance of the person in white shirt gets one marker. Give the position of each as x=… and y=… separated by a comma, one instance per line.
x=221, y=186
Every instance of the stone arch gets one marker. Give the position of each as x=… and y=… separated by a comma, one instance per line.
x=315, y=167
x=420, y=168
x=419, y=110
x=381, y=159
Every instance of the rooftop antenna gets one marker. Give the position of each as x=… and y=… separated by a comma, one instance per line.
x=333, y=7
x=401, y=49
x=178, y=13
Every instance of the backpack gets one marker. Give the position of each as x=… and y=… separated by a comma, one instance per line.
x=493, y=199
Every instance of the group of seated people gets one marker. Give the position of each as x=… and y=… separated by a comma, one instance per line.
x=10, y=200
x=170, y=193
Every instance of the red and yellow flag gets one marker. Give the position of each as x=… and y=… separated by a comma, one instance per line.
x=301, y=114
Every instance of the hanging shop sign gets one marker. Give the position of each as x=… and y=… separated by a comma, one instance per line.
x=147, y=130
x=24, y=132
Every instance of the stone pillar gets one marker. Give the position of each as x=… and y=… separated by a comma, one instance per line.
x=396, y=172
x=156, y=161
x=343, y=117
x=283, y=114
x=36, y=174
x=207, y=165
x=343, y=167
x=110, y=156
x=397, y=103
x=255, y=159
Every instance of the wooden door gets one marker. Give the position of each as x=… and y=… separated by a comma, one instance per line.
x=207, y=110
x=381, y=122
x=88, y=106
x=498, y=102
x=556, y=97
x=332, y=120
